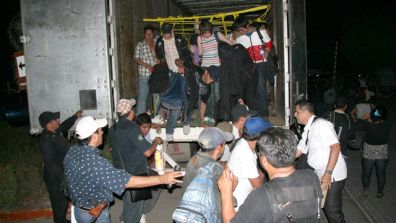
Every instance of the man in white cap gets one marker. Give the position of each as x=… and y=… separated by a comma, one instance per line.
x=130, y=151
x=92, y=180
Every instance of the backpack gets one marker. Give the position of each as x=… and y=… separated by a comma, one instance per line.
x=198, y=202
x=338, y=129
x=296, y=204
x=159, y=78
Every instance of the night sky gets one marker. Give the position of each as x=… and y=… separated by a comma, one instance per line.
x=365, y=31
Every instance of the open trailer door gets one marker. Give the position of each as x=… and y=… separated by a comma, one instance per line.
x=289, y=27
x=67, y=61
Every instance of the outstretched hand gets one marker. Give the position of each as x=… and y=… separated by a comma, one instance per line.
x=171, y=177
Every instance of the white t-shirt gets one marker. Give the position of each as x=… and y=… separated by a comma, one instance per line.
x=243, y=164
x=235, y=132
x=171, y=54
x=320, y=137
x=227, y=153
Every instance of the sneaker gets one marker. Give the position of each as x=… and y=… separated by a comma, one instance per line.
x=186, y=129
x=158, y=120
x=143, y=219
x=208, y=119
x=380, y=195
x=169, y=137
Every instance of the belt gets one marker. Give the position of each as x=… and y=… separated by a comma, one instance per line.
x=88, y=209
x=258, y=61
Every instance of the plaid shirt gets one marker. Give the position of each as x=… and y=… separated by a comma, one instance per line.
x=143, y=52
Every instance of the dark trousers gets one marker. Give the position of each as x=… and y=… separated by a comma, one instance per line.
x=333, y=203
x=59, y=202
x=380, y=169
x=262, y=93
x=249, y=89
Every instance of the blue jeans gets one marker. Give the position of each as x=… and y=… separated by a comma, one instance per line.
x=83, y=216
x=262, y=94
x=143, y=91
x=380, y=169
x=173, y=115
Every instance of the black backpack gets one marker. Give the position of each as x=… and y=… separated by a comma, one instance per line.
x=296, y=204
x=159, y=78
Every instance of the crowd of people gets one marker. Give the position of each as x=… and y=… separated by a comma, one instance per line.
x=246, y=170
x=211, y=72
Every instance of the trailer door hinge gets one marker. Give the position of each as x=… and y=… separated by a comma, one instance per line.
x=287, y=77
x=288, y=112
x=111, y=50
x=109, y=19
x=287, y=42
x=112, y=83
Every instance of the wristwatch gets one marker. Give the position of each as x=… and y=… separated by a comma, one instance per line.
x=329, y=172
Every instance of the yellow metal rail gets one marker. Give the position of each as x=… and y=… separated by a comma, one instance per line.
x=187, y=25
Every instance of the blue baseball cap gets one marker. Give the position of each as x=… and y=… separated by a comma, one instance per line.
x=256, y=125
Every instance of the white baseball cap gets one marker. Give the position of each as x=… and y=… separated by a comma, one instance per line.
x=88, y=125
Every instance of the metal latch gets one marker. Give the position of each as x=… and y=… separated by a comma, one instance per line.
x=25, y=39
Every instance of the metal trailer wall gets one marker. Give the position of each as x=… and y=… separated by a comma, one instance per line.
x=66, y=55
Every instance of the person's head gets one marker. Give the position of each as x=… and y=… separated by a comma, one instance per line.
x=206, y=28
x=211, y=75
x=50, y=120
x=304, y=110
x=239, y=114
x=277, y=148
x=378, y=113
x=253, y=128
x=341, y=103
x=213, y=140
x=144, y=122
x=242, y=25
x=148, y=32
x=89, y=131
x=166, y=30
x=226, y=127
x=125, y=108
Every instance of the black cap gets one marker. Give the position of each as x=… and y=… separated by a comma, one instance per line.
x=166, y=28
x=48, y=116
x=241, y=111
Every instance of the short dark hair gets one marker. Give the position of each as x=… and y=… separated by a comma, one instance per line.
x=279, y=146
x=305, y=105
x=205, y=26
x=148, y=27
x=340, y=102
x=143, y=118
x=249, y=137
x=241, y=22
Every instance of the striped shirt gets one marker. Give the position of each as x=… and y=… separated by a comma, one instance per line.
x=144, y=53
x=210, y=51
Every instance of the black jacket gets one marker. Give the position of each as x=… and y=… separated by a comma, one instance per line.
x=54, y=147
x=182, y=49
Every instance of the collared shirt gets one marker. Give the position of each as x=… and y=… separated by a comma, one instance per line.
x=243, y=164
x=91, y=179
x=321, y=136
x=171, y=53
x=128, y=143
x=143, y=52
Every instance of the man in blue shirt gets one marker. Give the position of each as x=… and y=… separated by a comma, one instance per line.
x=92, y=180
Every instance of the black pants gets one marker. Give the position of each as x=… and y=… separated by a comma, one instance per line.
x=333, y=203
x=59, y=202
x=380, y=169
x=249, y=89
